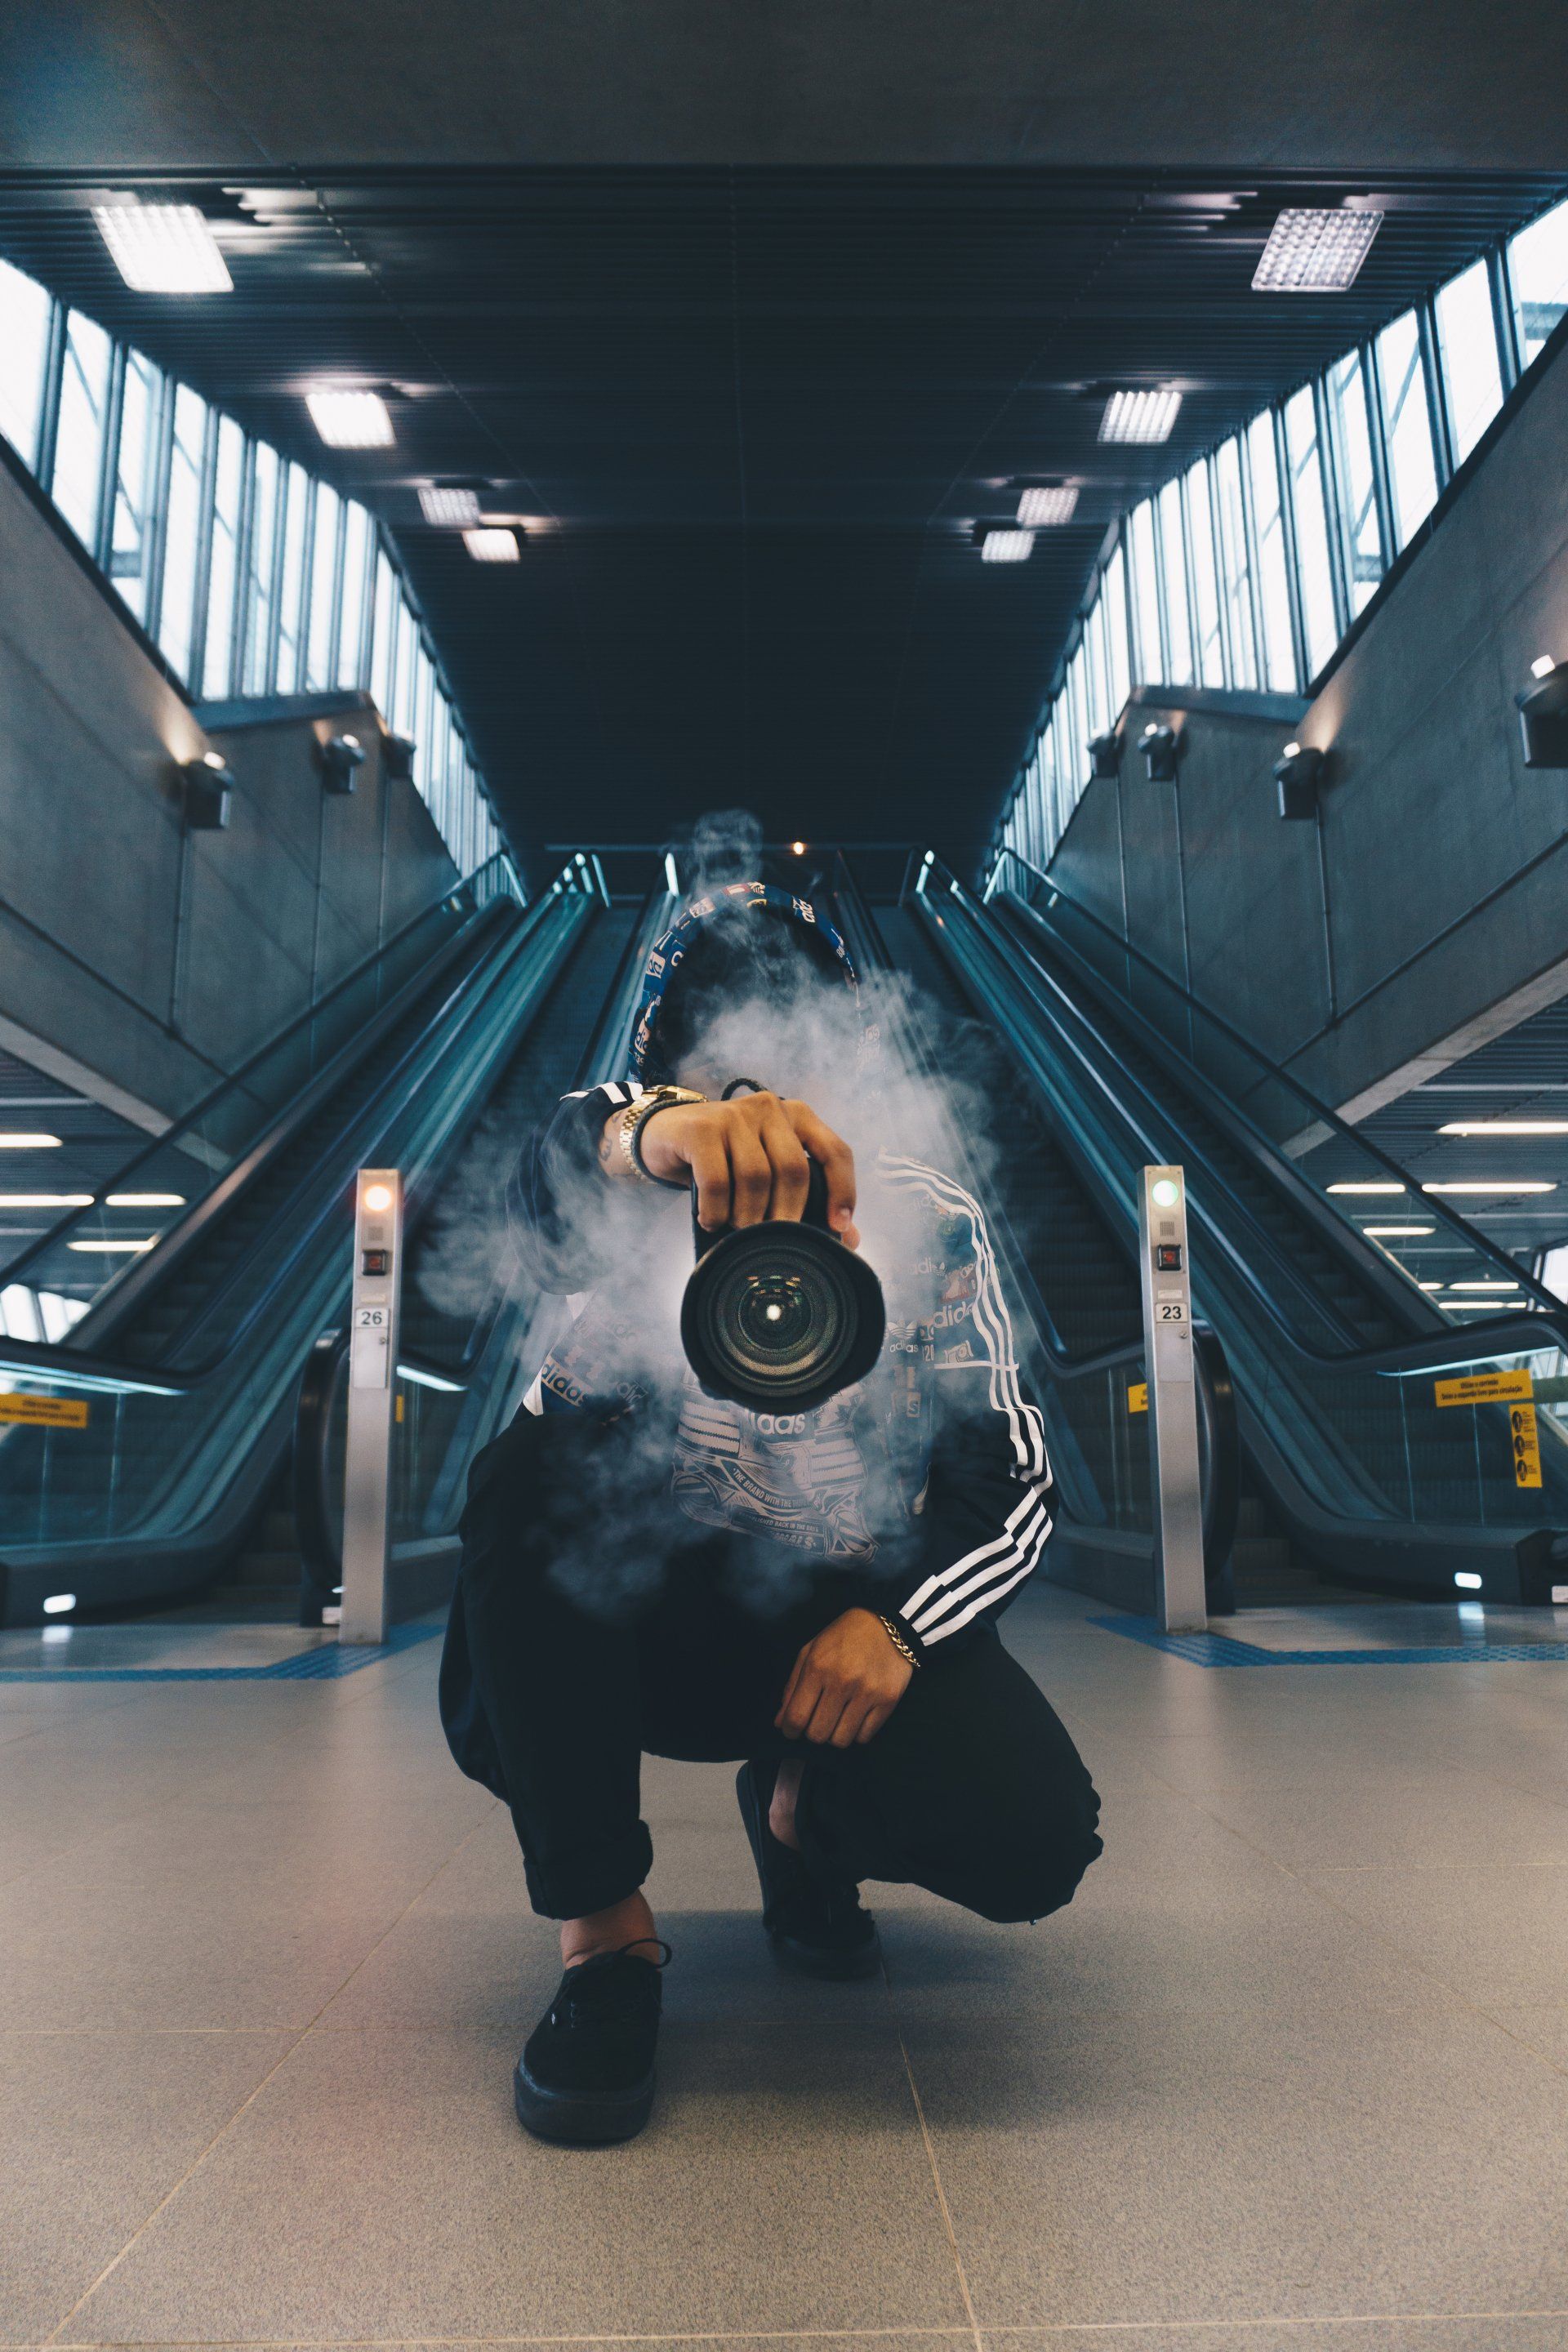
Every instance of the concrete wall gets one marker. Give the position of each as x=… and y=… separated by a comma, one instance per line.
x=1428, y=906
x=138, y=960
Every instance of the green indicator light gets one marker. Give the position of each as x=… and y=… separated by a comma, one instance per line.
x=1164, y=1193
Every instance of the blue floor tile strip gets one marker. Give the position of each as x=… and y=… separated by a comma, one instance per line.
x=1223, y=1649
x=328, y=1663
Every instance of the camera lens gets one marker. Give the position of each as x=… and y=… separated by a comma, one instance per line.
x=781, y=1315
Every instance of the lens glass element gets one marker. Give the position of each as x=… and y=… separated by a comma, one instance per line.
x=781, y=1315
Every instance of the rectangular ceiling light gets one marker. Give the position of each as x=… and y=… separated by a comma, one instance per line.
x=1041, y=507
x=145, y=1199
x=453, y=507
x=1505, y=1126
x=46, y=1200
x=164, y=248
x=1366, y=1188
x=1007, y=547
x=1508, y=1187
x=351, y=420
x=12, y=1141
x=491, y=546
x=1314, y=252
x=110, y=1249
x=1139, y=416
x=1390, y=1232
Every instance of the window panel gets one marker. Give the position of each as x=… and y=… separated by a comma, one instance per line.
x=83, y=418
x=357, y=576
x=1205, y=620
x=407, y=685
x=323, y=591
x=259, y=596
x=132, y=531
x=1268, y=537
x=1148, y=661
x=1173, y=572
x=1114, y=603
x=1538, y=279
x=1309, y=510
x=1406, y=426
x=296, y=517
x=1236, y=568
x=1349, y=428
x=1097, y=715
x=223, y=563
x=183, y=531
x=1468, y=351
x=383, y=647
x=24, y=312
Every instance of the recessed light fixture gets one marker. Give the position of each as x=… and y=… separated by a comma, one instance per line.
x=110, y=1249
x=1505, y=1126
x=1139, y=416
x=489, y=545
x=1488, y=1285
x=144, y=1199
x=798, y=848
x=46, y=1200
x=1310, y=251
x=1393, y=1233
x=1543, y=666
x=1041, y=506
x=1467, y=1579
x=456, y=509
x=16, y=1142
x=1428, y=1286
x=1007, y=547
x=1508, y=1187
x=56, y=1604
x=1366, y=1188
x=350, y=420
x=162, y=248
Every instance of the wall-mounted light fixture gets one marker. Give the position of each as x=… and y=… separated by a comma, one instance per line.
x=208, y=787
x=1105, y=756
x=397, y=756
x=340, y=755
x=1158, y=745
x=1298, y=771
x=1544, y=714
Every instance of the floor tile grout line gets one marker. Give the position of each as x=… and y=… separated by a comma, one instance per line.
x=936, y=2183
x=225, y=2129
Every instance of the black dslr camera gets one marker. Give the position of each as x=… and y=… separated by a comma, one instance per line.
x=779, y=1317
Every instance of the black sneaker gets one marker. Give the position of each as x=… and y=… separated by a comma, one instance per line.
x=586, y=2072
x=814, y=1924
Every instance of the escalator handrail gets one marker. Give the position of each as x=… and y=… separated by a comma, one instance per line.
x=96, y=1369
x=1437, y=1351
x=1456, y=1223
x=499, y=866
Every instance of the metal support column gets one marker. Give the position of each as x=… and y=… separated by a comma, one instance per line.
x=1180, y=1598
x=372, y=1392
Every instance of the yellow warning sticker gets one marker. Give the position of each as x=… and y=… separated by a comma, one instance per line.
x=1485, y=1388
x=1138, y=1397
x=54, y=1413
x=1526, y=1445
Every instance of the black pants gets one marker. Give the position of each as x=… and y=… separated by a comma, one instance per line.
x=972, y=1788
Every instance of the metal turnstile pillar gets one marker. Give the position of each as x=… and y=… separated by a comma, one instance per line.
x=372, y=1392
x=1180, y=1595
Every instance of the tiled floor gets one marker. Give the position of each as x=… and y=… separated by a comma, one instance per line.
x=1292, y=2072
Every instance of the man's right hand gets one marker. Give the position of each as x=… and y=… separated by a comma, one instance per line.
x=750, y=1159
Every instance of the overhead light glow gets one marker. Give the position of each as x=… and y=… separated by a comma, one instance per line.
x=46, y=1200
x=798, y=849
x=1311, y=251
x=489, y=545
x=1291, y=752
x=351, y=420
x=1543, y=666
x=1007, y=547
x=213, y=760
x=56, y=1604
x=1041, y=507
x=1366, y=1188
x=145, y=1199
x=453, y=507
x=1467, y=1579
x=110, y=1249
x=1505, y=1126
x=1488, y=1188
x=1428, y=1286
x=1392, y=1232
x=1498, y=1284
x=162, y=248
x=1139, y=416
x=15, y=1142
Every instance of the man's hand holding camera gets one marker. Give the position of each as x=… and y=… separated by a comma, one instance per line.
x=748, y=1159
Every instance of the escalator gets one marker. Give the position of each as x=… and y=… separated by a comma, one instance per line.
x=162, y=1418
x=1358, y=1448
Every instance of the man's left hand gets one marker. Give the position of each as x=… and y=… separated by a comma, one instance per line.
x=845, y=1684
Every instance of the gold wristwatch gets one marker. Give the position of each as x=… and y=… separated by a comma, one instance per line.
x=637, y=1118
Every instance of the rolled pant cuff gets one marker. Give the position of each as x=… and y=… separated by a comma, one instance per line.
x=575, y=1885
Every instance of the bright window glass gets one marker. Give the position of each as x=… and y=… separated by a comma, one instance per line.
x=1350, y=429
x=83, y=422
x=323, y=590
x=1538, y=279
x=1174, y=572
x=357, y=580
x=406, y=691
x=1467, y=347
x=1309, y=510
x=183, y=531
x=1149, y=660
x=295, y=514
x=1210, y=642
x=260, y=600
x=1273, y=573
x=1113, y=600
x=223, y=565
x=132, y=529
x=25, y=310
x=1236, y=568
x=384, y=645
x=1096, y=686
x=1407, y=426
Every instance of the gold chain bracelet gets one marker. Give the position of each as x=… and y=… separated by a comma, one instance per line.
x=897, y=1640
